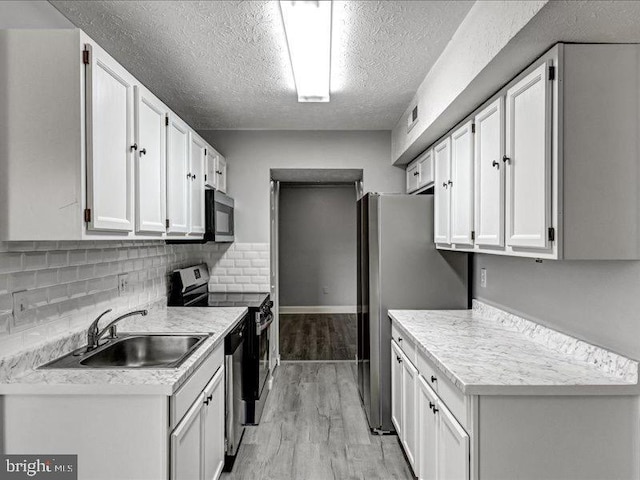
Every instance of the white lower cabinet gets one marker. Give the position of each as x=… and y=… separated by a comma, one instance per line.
x=197, y=442
x=146, y=436
x=186, y=444
x=396, y=388
x=436, y=445
x=213, y=421
x=409, y=412
x=427, y=430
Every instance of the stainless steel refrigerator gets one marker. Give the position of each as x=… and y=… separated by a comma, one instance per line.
x=398, y=268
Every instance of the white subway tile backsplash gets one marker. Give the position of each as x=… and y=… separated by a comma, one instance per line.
x=10, y=262
x=67, y=284
x=240, y=267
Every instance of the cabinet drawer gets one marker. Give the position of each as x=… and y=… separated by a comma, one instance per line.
x=450, y=395
x=189, y=391
x=408, y=346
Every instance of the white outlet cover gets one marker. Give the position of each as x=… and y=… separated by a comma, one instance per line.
x=483, y=277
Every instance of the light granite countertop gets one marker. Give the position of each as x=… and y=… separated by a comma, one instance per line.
x=488, y=351
x=148, y=381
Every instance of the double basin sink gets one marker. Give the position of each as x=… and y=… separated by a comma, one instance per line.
x=154, y=350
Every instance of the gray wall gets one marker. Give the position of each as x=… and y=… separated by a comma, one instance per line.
x=317, y=246
x=252, y=153
x=31, y=14
x=597, y=301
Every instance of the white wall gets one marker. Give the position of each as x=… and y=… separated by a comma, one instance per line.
x=31, y=14
x=597, y=301
x=252, y=153
x=317, y=243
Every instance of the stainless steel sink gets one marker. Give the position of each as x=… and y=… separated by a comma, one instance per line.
x=157, y=350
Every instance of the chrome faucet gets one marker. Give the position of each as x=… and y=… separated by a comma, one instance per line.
x=94, y=334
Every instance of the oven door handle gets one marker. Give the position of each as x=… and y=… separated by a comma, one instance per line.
x=262, y=326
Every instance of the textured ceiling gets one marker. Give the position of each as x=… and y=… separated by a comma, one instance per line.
x=224, y=64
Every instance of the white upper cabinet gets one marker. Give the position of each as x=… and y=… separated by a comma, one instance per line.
x=413, y=174
x=442, y=202
x=150, y=150
x=489, y=175
x=461, y=186
x=425, y=169
x=528, y=160
x=216, y=170
x=420, y=173
x=109, y=144
x=221, y=172
x=96, y=145
x=178, y=176
x=195, y=176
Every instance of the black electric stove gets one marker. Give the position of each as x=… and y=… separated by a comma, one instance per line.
x=190, y=288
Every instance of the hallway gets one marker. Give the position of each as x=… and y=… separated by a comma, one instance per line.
x=313, y=427
x=318, y=336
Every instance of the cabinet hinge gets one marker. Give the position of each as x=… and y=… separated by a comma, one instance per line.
x=205, y=177
x=205, y=151
x=552, y=73
x=87, y=215
x=473, y=235
x=85, y=57
x=166, y=223
x=166, y=120
x=552, y=234
x=473, y=128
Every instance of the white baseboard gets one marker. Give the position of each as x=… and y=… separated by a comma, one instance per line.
x=319, y=309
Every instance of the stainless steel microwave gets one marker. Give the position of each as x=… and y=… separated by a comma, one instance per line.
x=219, y=217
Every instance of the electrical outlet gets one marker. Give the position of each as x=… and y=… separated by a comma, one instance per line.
x=325, y=290
x=483, y=277
x=23, y=313
x=123, y=283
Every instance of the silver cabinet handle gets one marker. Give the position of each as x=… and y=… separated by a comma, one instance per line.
x=506, y=159
x=450, y=182
x=193, y=177
x=444, y=184
x=415, y=174
x=134, y=146
x=495, y=164
x=143, y=151
x=188, y=175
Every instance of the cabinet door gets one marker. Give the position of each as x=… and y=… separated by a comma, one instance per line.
x=425, y=168
x=396, y=387
x=196, y=187
x=528, y=160
x=489, y=174
x=150, y=162
x=221, y=171
x=409, y=418
x=453, y=447
x=109, y=141
x=210, y=176
x=186, y=444
x=177, y=182
x=462, y=186
x=213, y=427
x=427, y=430
x=442, y=158
x=412, y=173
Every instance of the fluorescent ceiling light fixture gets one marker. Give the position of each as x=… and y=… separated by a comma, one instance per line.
x=307, y=26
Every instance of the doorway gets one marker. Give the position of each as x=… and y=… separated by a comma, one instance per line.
x=314, y=226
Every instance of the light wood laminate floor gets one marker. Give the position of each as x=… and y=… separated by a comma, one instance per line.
x=314, y=428
x=318, y=336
